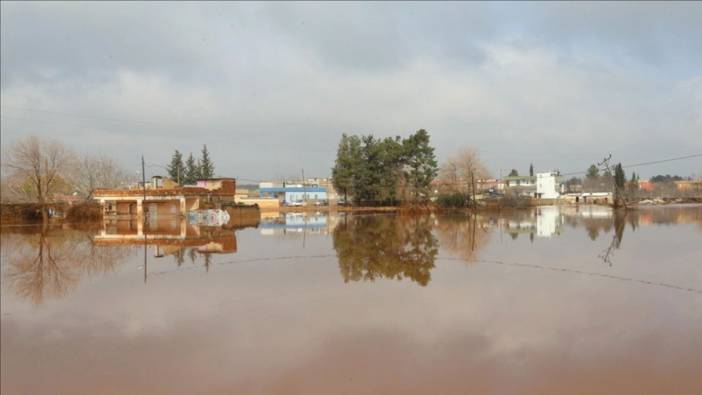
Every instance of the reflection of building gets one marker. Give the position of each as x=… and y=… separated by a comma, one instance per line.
x=165, y=198
x=296, y=223
x=167, y=236
x=548, y=221
x=543, y=221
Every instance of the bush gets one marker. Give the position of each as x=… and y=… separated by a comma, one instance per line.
x=453, y=200
x=84, y=212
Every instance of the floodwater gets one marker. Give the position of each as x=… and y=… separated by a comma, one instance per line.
x=548, y=301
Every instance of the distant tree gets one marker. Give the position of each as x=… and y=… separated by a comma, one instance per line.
x=531, y=170
x=420, y=163
x=633, y=185
x=176, y=169
x=192, y=170
x=513, y=173
x=45, y=165
x=98, y=172
x=348, y=160
x=458, y=172
x=206, y=165
x=619, y=177
x=666, y=178
x=593, y=171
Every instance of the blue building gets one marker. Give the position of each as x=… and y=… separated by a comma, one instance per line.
x=296, y=195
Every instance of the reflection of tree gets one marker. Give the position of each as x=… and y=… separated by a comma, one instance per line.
x=464, y=236
x=619, y=225
x=371, y=247
x=40, y=272
x=50, y=263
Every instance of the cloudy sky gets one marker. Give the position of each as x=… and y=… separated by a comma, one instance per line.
x=271, y=87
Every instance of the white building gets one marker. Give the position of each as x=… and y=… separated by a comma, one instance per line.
x=548, y=185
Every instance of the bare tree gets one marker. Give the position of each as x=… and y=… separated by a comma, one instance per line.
x=43, y=164
x=459, y=172
x=98, y=172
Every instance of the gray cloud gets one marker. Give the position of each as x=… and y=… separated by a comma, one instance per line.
x=270, y=87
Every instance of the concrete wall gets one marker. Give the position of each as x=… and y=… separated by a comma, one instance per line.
x=263, y=203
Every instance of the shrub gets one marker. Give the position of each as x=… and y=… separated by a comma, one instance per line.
x=453, y=200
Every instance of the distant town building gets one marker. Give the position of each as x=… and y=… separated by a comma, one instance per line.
x=490, y=185
x=294, y=194
x=520, y=185
x=549, y=185
x=646, y=185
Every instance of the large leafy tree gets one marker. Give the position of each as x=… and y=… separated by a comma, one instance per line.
x=513, y=173
x=420, y=163
x=206, y=165
x=176, y=169
x=372, y=170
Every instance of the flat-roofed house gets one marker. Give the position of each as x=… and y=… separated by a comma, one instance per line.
x=164, y=198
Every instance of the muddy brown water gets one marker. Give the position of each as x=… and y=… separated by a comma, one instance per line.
x=547, y=301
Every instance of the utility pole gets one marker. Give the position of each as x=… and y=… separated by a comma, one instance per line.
x=472, y=178
x=304, y=190
x=143, y=184
x=143, y=213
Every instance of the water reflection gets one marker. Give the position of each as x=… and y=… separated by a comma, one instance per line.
x=49, y=262
x=170, y=237
x=464, y=235
x=293, y=224
x=41, y=263
x=551, y=221
x=374, y=247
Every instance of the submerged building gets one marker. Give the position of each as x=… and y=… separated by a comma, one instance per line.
x=164, y=198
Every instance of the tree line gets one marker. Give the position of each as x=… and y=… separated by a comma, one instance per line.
x=192, y=170
x=35, y=170
x=371, y=170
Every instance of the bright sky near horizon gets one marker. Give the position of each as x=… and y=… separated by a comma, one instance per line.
x=270, y=87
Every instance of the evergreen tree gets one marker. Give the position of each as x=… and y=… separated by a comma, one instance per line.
x=421, y=164
x=593, y=171
x=619, y=177
x=619, y=184
x=192, y=170
x=531, y=170
x=348, y=159
x=176, y=169
x=206, y=165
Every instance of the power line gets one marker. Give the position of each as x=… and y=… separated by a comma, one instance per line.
x=644, y=163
